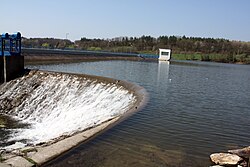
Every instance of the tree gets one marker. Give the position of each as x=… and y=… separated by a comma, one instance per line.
x=45, y=45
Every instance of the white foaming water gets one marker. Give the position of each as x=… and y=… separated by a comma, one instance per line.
x=63, y=104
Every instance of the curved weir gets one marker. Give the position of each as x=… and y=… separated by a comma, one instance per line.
x=55, y=105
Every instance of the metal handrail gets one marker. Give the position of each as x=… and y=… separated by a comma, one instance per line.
x=10, y=44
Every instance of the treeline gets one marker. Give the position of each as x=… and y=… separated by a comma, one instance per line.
x=49, y=43
x=207, y=49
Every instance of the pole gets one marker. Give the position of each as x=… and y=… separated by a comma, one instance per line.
x=2, y=49
x=4, y=69
x=2, y=57
x=4, y=60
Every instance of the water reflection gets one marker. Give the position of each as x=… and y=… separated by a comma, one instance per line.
x=163, y=72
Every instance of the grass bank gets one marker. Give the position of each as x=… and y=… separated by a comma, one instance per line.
x=242, y=58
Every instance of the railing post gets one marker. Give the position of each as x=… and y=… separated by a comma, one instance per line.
x=4, y=69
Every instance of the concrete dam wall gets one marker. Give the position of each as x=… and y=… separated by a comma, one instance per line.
x=52, y=55
x=11, y=67
x=53, y=105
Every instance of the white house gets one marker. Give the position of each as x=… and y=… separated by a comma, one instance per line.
x=164, y=54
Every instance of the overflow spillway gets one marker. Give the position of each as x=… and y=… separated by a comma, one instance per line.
x=55, y=104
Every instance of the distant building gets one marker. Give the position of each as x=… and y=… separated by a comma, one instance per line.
x=164, y=54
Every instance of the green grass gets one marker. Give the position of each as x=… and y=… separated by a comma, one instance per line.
x=194, y=56
x=94, y=48
x=243, y=58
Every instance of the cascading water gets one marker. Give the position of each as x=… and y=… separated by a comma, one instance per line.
x=55, y=104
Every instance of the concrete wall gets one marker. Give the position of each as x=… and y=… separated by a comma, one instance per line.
x=14, y=67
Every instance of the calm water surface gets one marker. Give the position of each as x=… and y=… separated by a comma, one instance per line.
x=195, y=109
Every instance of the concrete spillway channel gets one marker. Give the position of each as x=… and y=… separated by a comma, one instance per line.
x=60, y=111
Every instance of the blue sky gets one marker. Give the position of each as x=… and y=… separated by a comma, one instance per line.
x=228, y=19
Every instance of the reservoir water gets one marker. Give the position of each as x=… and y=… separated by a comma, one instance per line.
x=195, y=109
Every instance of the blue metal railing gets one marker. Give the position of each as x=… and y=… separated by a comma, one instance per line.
x=10, y=44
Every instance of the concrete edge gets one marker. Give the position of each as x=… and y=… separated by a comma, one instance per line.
x=45, y=154
x=38, y=155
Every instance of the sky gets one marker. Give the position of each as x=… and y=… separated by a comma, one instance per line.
x=74, y=19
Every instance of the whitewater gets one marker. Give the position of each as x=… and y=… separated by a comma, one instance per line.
x=55, y=105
